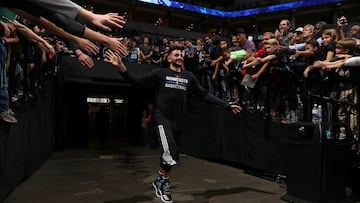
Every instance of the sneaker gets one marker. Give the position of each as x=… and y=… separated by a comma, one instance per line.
x=162, y=189
x=165, y=191
x=157, y=185
x=8, y=116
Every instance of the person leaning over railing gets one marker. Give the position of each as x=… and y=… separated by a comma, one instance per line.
x=6, y=113
x=346, y=91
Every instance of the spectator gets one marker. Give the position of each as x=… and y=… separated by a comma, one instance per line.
x=234, y=43
x=280, y=85
x=284, y=33
x=232, y=63
x=190, y=61
x=244, y=43
x=5, y=112
x=318, y=30
x=345, y=89
x=209, y=56
x=134, y=53
x=297, y=36
x=146, y=51
x=354, y=32
x=156, y=58
x=329, y=38
x=164, y=45
x=200, y=71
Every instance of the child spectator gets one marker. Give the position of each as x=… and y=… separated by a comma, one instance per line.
x=280, y=81
x=345, y=89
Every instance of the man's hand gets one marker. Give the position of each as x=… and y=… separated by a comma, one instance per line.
x=116, y=45
x=115, y=59
x=87, y=46
x=45, y=46
x=341, y=22
x=319, y=64
x=86, y=60
x=108, y=20
x=235, y=108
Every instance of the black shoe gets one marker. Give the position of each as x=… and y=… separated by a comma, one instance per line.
x=162, y=188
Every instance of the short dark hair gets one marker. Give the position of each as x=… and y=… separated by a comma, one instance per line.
x=239, y=30
x=347, y=43
x=313, y=43
x=173, y=48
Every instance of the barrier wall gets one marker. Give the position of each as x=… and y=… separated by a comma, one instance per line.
x=26, y=145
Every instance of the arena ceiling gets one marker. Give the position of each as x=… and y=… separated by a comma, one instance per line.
x=139, y=11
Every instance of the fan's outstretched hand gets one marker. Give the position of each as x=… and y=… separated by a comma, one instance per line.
x=236, y=108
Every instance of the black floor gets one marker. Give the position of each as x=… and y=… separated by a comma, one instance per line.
x=125, y=174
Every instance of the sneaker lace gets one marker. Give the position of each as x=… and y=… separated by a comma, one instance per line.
x=11, y=112
x=166, y=187
x=8, y=112
x=5, y=113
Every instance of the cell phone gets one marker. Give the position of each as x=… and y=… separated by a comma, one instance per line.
x=343, y=21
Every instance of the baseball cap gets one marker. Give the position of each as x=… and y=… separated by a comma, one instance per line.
x=239, y=30
x=299, y=29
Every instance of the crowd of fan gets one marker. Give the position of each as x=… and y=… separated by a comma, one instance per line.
x=281, y=73
x=28, y=54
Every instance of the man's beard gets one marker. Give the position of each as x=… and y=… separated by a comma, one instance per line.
x=176, y=64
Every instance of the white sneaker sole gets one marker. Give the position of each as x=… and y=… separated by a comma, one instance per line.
x=160, y=196
x=156, y=190
x=165, y=201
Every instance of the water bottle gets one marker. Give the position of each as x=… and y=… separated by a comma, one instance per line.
x=319, y=114
x=298, y=98
x=299, y=112
x=293, y=118
x=314, y=113
x=328, y=131
x=328, y=134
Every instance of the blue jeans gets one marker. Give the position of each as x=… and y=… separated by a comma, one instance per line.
x=212, y=84
x=4, y=94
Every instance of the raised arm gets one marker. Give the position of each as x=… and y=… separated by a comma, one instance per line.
x=115, y=60
x=259, y=60
x=102, y=21
x=341, y=23
x=31, y=36
x=75, y=11
x=260, y=72
x=84, y=44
